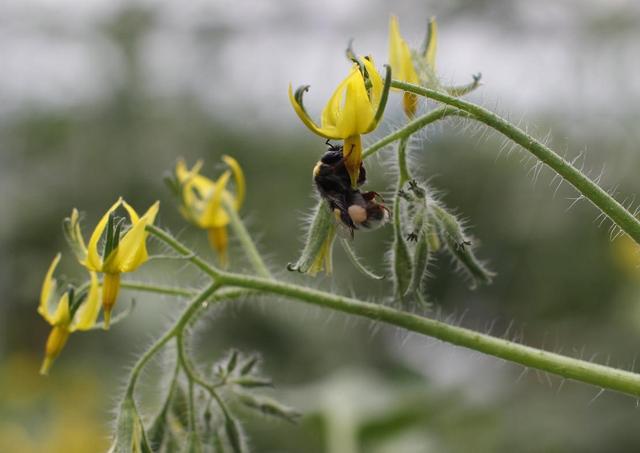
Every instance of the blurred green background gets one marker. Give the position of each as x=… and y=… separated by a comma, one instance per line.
x=99, y=99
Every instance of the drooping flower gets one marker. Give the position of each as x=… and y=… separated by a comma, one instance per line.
x=74, y=311
x=203, y=201
x=413, y=66
x=124, y=247
x=355, y=108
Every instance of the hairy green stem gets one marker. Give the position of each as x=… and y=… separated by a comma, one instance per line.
x=567, y=367
x=411, y=128
x=158, y=289
x=183, y=250
x=585, y=186
x=206, y=295
x=403, y=169
x=246, y=242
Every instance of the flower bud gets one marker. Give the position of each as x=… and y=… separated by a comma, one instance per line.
x=56, y=341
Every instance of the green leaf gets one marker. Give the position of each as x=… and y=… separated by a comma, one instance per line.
x=269, y=406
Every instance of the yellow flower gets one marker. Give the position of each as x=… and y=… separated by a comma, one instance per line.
x=70, y=314
x=122, y=252
x=355, y=108
x=203, y=201
x=412, y=67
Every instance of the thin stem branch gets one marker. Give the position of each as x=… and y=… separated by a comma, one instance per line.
x=206, y=295
x=589, y=189
x=183, y=250
x=246, y=242
x=158, y=289
x=403, y=169
x=411, y=128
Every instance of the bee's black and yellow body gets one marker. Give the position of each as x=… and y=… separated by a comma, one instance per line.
x=352, y=208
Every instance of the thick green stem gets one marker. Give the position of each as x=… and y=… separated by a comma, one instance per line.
x=589, y=189
x=411, y=128
x=247, y=243
x=567, y=367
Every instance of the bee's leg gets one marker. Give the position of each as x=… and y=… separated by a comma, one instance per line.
x=413, y=237
x=368, y=196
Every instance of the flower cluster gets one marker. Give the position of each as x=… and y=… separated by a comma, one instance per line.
x=118, y=244
x=123, y=250
x=203, y=201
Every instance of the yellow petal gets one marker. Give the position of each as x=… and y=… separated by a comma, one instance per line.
x=62, y=315
x=94, y=261
x=132, y=249
x=302, y=114
x=358, y=113
x=133, y=215
x=86, y=316
x=432, y=45
x=48, y=288
x=183, y=174
x=400, y=55
x=238, y=176
x=333, y=110
x=214, y=214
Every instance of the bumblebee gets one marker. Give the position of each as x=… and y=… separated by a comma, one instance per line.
x=353, y=209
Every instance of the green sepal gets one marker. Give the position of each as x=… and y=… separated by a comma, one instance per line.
x=248, y=366
x=402, y=265
x=233, y=361
x=321, y=229
x=269, y=406
x=232, y=430
x=130, y=435
x=460, y=247
x=73, y=235
x=461, y=90
x=384, y=96
x=172, y=183
x=346, y=246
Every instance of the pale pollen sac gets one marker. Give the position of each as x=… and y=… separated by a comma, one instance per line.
x=357, y=213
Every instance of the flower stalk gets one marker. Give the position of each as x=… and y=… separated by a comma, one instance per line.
x=585, y=186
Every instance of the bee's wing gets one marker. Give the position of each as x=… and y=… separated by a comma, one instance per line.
x=338, y=204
